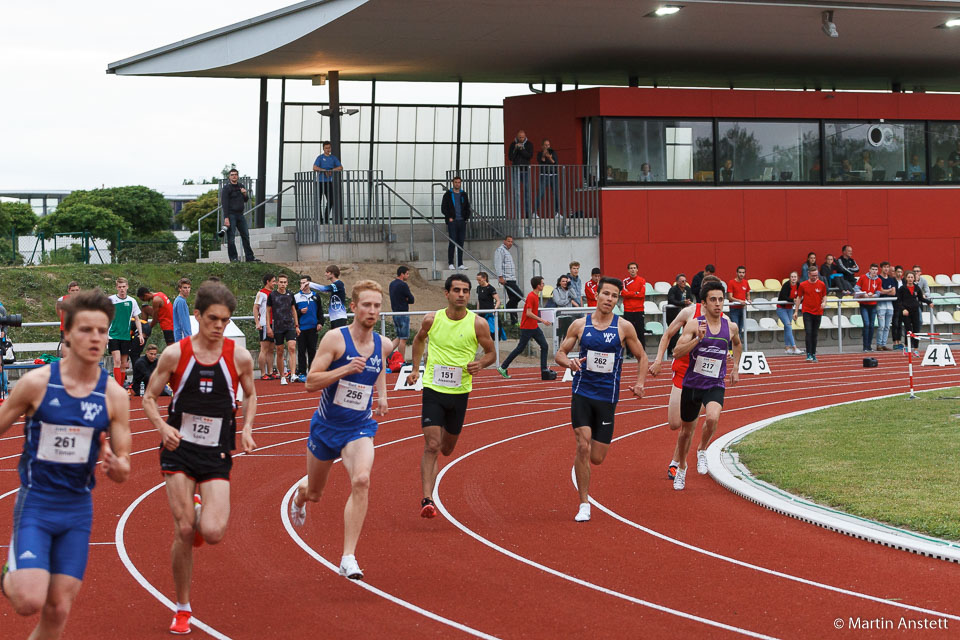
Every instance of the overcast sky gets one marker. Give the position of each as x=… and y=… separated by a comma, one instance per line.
x=66, y=124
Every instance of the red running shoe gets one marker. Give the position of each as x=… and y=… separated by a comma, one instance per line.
x=427, y=508
x=181, y=623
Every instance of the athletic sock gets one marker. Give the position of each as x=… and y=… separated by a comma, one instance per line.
x=117, y=376
x=674, y=463
x=184, y=607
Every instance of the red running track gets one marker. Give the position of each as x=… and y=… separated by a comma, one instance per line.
x=506, y=559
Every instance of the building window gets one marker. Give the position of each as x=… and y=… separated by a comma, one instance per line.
x=768, y=152
x=665, y=151
x=874, y=152
x=944, y=152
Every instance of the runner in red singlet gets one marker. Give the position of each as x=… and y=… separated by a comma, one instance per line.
x=162, y=311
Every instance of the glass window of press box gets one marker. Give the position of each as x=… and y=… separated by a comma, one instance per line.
x=944, y=143
x=768, y=152
x=869, y=152
x=664, y=151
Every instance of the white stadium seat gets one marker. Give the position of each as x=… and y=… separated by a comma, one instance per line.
x=651, y=307
x=662, y=287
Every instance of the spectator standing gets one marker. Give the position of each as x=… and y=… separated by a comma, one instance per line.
x=530, y=328
x=831, y=274
x=487, y=298
x=679, y=297
x=261, y=318
x=811, y=262
x=400, y=300
x=285, y=327
x=233, y=199
x=888, y=289
x=634, y=295
x=548, y=160
x=848, y=267
x=911, y=297
x=576, y=285
x=896, y=326
x=786, y=301
x=181, y=311
x=922, y=282
x=697, y=281
x=337, y=309
x=309, y=318
x=563, y=299
x=162, y=312
x=455, y=208
x=326, y=167
x=868, y=288
x=506, y=270
x=590, y=289
x=811, y=300
x=520, y=154
x=738, y=293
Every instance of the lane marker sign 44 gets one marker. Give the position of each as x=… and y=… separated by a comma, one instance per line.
x=938, y=355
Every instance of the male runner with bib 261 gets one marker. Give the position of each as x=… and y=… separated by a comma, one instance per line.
x=453, y=335
x=199, y=433
x=350, y=362
x=707, y=339
x=69, y=405
x=596, y=381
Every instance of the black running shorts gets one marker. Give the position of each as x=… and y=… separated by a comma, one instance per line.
x=447, y=410
x=596, y=414
x=123, y=346
x=692, y=399
x=201, y=466
x=168, y=336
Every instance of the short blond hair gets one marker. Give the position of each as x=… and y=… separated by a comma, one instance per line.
x=122, y=280
x=365, y=285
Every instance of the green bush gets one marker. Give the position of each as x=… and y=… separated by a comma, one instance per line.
x=160, y=248
x=188, y=250
x=65, y=255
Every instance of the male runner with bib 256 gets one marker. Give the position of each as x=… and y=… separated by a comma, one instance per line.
x=70, y=405
x=199, y=433
x=350, y=362
x=707, y=339
x=453, y=335
x=596, y=381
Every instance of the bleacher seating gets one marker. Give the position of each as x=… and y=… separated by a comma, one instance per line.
x=955, y=278
x=943, y=279
x=772, y=284
x=662, y=287
x=756, y=285
x=651, y=307
x=655, y=328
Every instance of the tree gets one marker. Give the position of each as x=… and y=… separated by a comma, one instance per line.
x=18, y=216
x=142, y=208
x=195, y=209
x=100, y=222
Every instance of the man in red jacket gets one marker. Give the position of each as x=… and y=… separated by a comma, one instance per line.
x=634, y=291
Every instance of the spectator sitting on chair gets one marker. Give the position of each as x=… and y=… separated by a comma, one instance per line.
x=455, y=208
x=938, y=172
x=786, y=302
x=679, y=297
x=563, y=299
x=645, y=174
x=848, y=267
x=833, y=277
x=811, y=262
x=233, y=199
x=726, y=171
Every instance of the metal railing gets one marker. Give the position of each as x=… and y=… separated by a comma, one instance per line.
x=345, y=206
x=534, y=201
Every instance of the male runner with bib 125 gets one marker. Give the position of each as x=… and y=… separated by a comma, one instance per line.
x=69, y=405
x=453, y=334
x=349, y=363
x=199, y=433
x=596, y=381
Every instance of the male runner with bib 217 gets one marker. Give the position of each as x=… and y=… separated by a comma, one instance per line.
x=707, y=339
x=453, y=334
x=596, y=381
x=69, y=405
x=350, y=362
x=199, y=433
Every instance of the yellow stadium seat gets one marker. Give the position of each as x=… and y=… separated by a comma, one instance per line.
x=929, y=279
x=772, y=284
x=956, y=316
x=798, y=323
x=756, y=285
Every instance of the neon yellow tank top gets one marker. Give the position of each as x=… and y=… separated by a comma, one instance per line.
x=452, y=345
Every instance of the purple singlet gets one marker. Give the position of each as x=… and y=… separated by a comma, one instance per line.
x=708, y=360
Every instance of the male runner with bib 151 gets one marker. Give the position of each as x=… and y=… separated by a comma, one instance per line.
x=349, y=363
x=707, y=339
x=596, y=381
x=453, y=334
x=200, y=431
x=69, y=405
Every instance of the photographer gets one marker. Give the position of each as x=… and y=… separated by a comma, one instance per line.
x=233, y=198
x=520, y=151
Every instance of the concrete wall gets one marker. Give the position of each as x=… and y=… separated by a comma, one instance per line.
x=555, y=254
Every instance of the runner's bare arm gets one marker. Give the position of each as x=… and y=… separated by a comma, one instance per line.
x=569, y=342
x=166, y=364
x=419, y=346
x=139, y=328
x=671, y=331
x=331, y=348
x=632, y=342
x=688, y=340
x=489, y=356
x=156, y=304
x=115, y=453
x=256, y=310
x=26, y=396
x=243, y=361
x=737, y=350
x=382, y=382
x=296, y=317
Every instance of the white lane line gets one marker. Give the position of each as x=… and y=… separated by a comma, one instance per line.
x=284, y=516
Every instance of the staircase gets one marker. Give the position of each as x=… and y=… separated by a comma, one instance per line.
x=272, y=244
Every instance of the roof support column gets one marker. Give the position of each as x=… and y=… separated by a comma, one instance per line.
x=261, y=190
x=333, y=80
x=459, y=120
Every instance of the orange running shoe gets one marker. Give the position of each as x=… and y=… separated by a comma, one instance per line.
x=181, y=623
x=197, y=538
x=427, y=508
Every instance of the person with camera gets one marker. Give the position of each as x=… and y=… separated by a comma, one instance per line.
x=520, y=153
x=233, y=199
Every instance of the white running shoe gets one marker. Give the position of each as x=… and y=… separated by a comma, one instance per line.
x=681, y=480
x=283, y=379
x=583, y=515
x=298, y=515
x=461, y=267
x=701, y=462
x=350, y=569
x=451, y=266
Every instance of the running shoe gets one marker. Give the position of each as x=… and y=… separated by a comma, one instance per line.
x=583, y=515
x=503, y=372
x=809, y=358
x=268, y=376
x=916, y=354
x=284, y=379
x=813, y=359
x=681, y=480
x=298, y=515
x=181, y=623
x=461, y=267
x=672, y=471
x=197, y=538
x=451, y=267
x=350, y=569
x=427, y=508
x=701, y=462
x=302, y=378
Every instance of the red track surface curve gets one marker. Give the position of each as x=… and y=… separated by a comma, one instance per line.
x=506, y=558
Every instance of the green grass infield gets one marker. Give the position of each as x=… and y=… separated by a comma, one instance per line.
x=893, y=460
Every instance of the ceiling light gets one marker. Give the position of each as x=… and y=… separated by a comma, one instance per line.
x=953, y=22
x=829, y=27
x=666, y=10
